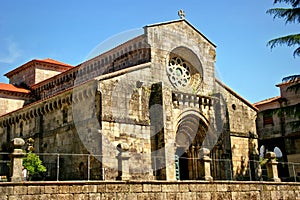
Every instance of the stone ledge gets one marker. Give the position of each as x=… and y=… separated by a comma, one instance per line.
x=135, y=190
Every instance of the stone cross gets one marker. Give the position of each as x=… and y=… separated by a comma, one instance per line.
x=181, y=14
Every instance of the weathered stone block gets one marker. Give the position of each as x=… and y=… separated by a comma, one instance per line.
x=221, y=195
x=203, y=195
x=265, y=194
x=91, y=188
x=3, y=197
x=48, y=197
x=35, y=190
x=50, y=189
x=146, y=187
x=222, y=187
x=101, y=188
x=75, y=189
x=20, y=190
x=117, y=188
x=155, y=188
x=63, y=189
x=109, y=196
x=241, y=195
x=7, y=190
x=276, y=195
x=136, y=188
x=65, y=196
x=95, y=196
x=15, y=197
x=170, y=188
x=81, y=196
x=184, y=187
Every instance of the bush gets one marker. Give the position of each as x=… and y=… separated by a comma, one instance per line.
x=34, y=166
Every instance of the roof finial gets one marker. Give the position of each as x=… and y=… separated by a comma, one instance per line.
x=181, y=14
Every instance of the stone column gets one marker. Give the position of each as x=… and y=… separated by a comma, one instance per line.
x=205, y=161
x=17, y=160
x=272, y=167
x=123, y=162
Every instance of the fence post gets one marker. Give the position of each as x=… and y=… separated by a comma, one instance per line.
x=272, y=167
x=205, y=160
x=123, y=161
x=57, y=171
x=17, y=160
x=89, y=166
x=249, y=166
x=295, y=178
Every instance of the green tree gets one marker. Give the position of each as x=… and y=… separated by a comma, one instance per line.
x=34, y=165
x=290, y=15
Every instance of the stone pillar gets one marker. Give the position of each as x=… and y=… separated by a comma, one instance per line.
x=205, y=161
x=123, y=162
x=17, y=160
x=272, y=167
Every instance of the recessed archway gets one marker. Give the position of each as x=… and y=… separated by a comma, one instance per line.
x=191, y=132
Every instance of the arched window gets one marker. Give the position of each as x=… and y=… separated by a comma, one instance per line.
x=21, y=129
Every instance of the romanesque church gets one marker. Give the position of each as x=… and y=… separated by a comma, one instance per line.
x=155, y=96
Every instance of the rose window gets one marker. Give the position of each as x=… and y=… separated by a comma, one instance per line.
x=178, y=72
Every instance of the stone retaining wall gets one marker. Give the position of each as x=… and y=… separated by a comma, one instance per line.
x=134, y=190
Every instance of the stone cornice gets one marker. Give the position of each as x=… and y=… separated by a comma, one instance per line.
x=51, y=104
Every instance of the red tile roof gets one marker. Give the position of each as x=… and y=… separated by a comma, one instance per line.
x=49, y=60
x=12, y=88
x=267, y=101
x=63, y=66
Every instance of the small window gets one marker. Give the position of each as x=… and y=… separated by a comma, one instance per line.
x=233, y=106
x=268, y=118
x=65, y=115
x=21, y=129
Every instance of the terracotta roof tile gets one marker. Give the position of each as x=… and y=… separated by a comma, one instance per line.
x=49, y=60
x=12, y=88
x=267, y=101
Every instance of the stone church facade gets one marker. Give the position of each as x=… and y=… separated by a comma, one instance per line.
x=155, y=94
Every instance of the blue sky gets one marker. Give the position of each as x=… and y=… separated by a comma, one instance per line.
x=68, y=30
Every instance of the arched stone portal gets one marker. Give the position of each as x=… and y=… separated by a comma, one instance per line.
x=191, y=132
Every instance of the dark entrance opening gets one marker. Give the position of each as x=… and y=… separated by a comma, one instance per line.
x=183, y=163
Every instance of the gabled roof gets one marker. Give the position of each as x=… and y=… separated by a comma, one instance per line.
x=64, y=66
x=184, y=21
x=12, y=88
x=49, y=60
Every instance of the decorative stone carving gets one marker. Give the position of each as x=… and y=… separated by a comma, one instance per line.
x=205, y=164
x=17, y=159
x=272, y=167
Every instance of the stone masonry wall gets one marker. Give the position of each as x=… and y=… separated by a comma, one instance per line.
x=10, y=104
x=149, y=190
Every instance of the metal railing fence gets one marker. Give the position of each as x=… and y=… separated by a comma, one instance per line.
x=63, y=166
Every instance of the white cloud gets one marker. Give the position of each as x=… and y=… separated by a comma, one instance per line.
x=9, y=52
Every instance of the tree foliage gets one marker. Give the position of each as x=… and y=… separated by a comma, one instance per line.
x=34, y=165
x=290, y=15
